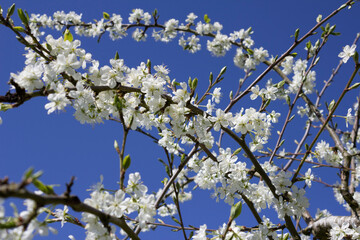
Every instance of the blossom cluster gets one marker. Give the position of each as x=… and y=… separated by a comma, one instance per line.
x=117, y=204
x=114, y=25
x=68, y=75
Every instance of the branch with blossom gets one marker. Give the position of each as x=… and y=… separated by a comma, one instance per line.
x=58, y=68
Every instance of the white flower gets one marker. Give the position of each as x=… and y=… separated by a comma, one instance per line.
x=347, y=52
x=135, y=185
x=308, y=177
x=255, y=92
x=201, y=233
x=61, y=214
x=168, y=210
x=349, y=118
x=191, y=18
x=219, y=45
x=116, y=208
x=221, y=119
x=216, y=95
x=58, y=100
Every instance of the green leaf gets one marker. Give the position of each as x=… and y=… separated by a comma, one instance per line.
x=47, y=189
x=167, y=169
x=235, y=210
x=282, y=142
x=119, y=102
x=286, y=236
x=116, y=145
x=164, y=181
x=296, y=35
x=354, y=86
x=19, y=29
x=293, y=54
x=183, y=156
x=116, y=55
x=189, y=82
x=327, y=27
x=231, y=95
x=335, y=33
x=291, y=118
x=342, y=6
x=236, y=152
x=106, y=15
x=316, y=61
x=175, y=220
x=211, y=78
x=28, y=173
x=356, y=57
x=267, y=103
x=332, y=28
x=22, y=17
x=319, y=18
x=331, y=105
x=194, y=83
x=48, y=46
x=126, y=162
x=223, y=70
x=308, y=45
x=206, y=18
x=37, y=174
x=280, y=84
x=10, y=223
x=288, y=100
x=68, y=36
x=10, y=11
x=250, y=52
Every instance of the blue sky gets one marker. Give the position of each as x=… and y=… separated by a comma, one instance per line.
x=62, y=147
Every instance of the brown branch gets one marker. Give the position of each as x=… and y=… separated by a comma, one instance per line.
x=14, y=190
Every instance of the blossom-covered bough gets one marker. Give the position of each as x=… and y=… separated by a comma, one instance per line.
x=146, y=99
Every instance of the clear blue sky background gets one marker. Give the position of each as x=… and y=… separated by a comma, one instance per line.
x=62, y=147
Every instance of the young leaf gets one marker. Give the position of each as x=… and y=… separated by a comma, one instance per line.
x=319, y=18
x=223, y=70
x=356, y=57
x=22, y=17
x=296, y=35
x=68, y=36
x=194, y=83
x=250, y=52
x=236, y=152
x=116, y=55
x=331, y=105
x=10, y=11
x=206, y=18
x=19, y=29
x=116, y=145
x=106, y=15
x=126, y=162
x=175, y=220
x=355, y=85
x=235, y=210
x=47, y=189
x=28, y=173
